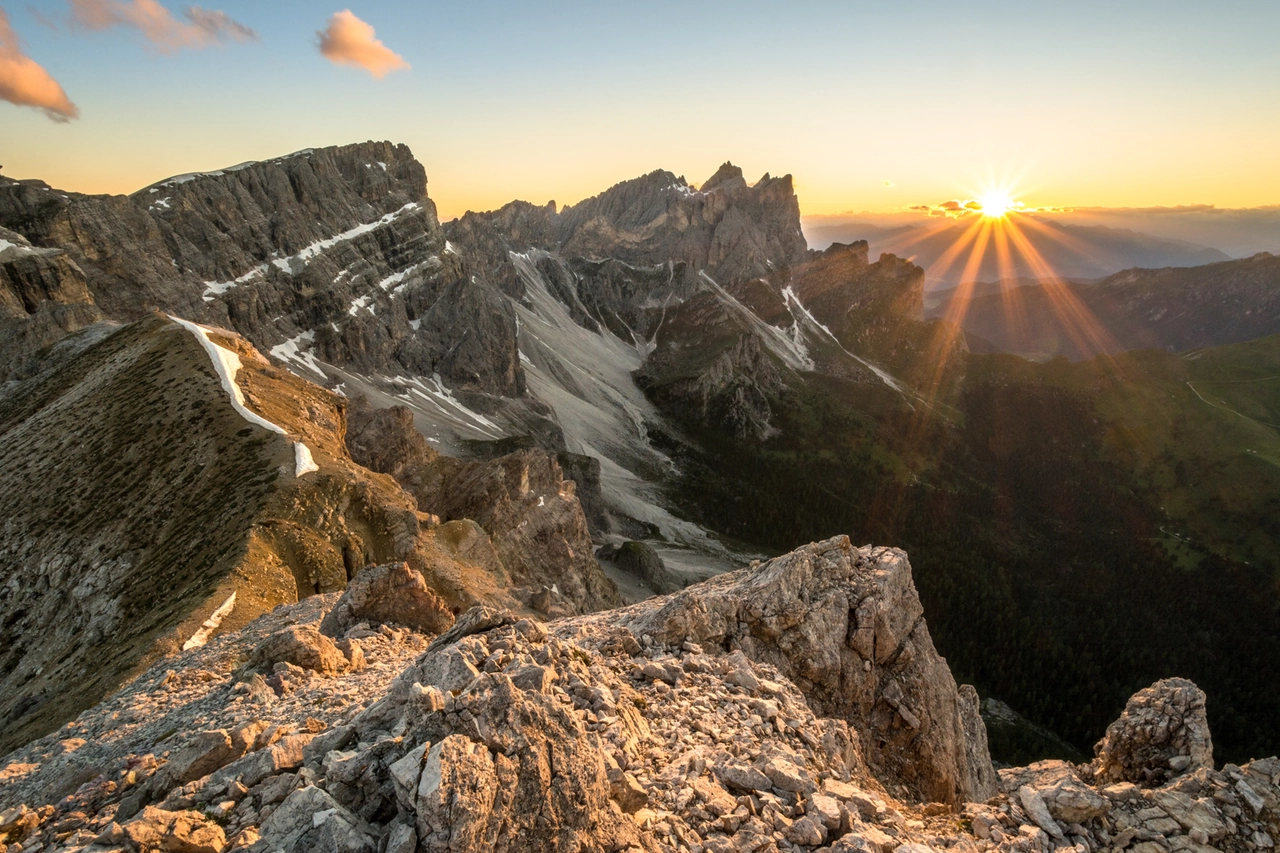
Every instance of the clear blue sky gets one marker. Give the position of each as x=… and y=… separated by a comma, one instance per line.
x=870, y=105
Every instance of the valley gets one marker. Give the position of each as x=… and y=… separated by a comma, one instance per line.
x=663, y=371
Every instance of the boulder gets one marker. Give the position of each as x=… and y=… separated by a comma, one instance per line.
x=311, y=820
x=1163, y=733
x=641, y=561
x=390, y=594
x=1066, y=796
x=176, y=832
x=302, y=646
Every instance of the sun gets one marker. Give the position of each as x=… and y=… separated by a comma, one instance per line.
x=996, y=204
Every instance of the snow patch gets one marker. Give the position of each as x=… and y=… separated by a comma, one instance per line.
x=396, y=279
x=789, y=297
x=188, y=177
x=362, y=302
x=227, y=363
x=304, y=256
x=206, y=629
x=214, y=288
x=5, y=246
x=292, y=351
x=790, y=348
x=303, y=461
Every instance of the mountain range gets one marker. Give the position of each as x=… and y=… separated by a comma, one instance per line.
x=1070, y=250
x=1176, y=308
x=489, y=399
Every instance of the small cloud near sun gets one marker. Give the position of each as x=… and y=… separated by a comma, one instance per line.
x=203, y=27
x=889, y=183
x=992, y=204
x=24, y=82
x=350, y=41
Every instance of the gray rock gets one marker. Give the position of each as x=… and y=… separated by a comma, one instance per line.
x=1038, y=812
x=310, y=820
x=640, y=560
x=1067, y=797
x=798, y=613
x=1164, y=721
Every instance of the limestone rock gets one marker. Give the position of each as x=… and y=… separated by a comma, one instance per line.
x=1067, y=797
x=206, y=752
x=309, y=819
x=806, y=613
x=393, y=594
x=176, y=832
x=302, y=646
x=1038, y=812
x=1163, y=733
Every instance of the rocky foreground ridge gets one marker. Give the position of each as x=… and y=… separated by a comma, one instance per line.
x=794, y=705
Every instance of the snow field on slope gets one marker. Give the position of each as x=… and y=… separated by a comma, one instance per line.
x=227, y=364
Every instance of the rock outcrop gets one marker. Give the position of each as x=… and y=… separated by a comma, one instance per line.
x=522, y=502
x=643, y=562
x=614, y=731
x=845, y=625
x=1053, y=805
x=393, y=594
x=1162, y=733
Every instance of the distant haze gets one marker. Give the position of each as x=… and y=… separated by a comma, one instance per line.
x=1082, y=243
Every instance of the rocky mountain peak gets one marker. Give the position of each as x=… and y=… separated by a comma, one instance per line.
x=728, y=176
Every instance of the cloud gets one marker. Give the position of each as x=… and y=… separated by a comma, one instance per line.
x=201, y=28
x=25, y=83
x=350, y=41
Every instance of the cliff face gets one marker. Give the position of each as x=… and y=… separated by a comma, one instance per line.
x=43, y=297
x=333, y=251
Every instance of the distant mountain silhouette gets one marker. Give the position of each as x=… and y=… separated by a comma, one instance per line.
x=1070, y=251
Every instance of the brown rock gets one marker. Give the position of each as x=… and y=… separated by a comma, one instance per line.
x=390, y=594
x=302, y=646
x=174, y=832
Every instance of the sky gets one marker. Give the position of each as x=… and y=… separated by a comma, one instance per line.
x=872, y=106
